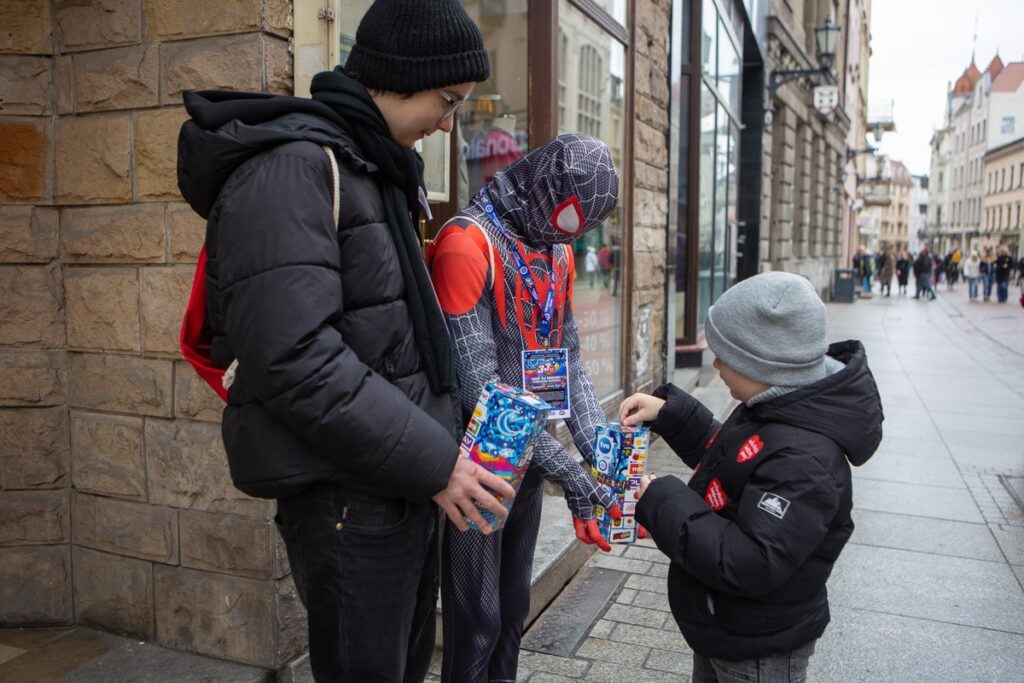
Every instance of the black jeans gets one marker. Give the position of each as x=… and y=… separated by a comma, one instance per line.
x=366, y=569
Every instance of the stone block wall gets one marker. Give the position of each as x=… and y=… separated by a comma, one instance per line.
x=650, y=188
x=116, y=508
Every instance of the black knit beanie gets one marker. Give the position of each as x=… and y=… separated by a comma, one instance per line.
x=405, y=46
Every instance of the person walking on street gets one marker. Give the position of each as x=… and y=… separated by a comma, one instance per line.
x=886, y=271
x=862, y=264
x=903, y=271
x=972, y=271
x=1002, y=267
x=923, y=274
x=988, y=272
x=952, y=268
x=754, y=535
x=319, y=305
x=591, y=265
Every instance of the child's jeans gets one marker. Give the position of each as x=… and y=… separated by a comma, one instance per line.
x=784, y=668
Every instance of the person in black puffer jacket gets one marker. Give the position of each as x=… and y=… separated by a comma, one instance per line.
x=753, y=536
x=342, y=405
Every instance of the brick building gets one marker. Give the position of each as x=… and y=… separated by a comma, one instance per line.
x=116, y=509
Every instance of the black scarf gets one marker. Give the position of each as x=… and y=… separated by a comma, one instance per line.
x=402, y=171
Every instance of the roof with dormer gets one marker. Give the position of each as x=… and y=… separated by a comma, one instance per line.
x=1010, y=78
x=965, y=84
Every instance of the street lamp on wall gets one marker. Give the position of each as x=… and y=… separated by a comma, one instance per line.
x=826, y=37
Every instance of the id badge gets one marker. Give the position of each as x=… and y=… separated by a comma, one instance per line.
x=546, y=374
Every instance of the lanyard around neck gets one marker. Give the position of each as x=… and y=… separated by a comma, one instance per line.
x=548, y=308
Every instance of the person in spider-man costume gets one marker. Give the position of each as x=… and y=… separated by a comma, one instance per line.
x=546, y=201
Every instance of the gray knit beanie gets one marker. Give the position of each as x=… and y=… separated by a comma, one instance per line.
x=770, y=328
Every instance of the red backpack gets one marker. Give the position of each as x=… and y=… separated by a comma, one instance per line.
x=195, y=340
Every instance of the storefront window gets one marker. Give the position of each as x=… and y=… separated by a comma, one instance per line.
x=492, y=130
x=592, y=76
x=705, y=238
x=709, y=37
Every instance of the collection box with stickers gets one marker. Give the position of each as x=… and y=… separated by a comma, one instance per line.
x=501, y=434
x=619, y=457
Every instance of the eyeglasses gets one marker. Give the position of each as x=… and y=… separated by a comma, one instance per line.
x=451, y=104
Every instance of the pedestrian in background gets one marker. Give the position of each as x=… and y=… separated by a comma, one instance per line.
x=1002, y=267
x=903, y=271
x=952, y=268
x=591, y=265
x=988, y=272
x=923, y=274
x=972, y=271
x=886, y=271
x=753, y=537
x=862, y=264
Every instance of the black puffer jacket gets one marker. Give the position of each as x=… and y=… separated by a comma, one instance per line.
x=329, y=385
x=749, y=580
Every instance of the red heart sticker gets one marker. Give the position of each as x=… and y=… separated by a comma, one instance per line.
x=749, y=449
x=715, y=495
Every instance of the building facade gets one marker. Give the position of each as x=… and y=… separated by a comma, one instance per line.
x=984, y=111
x=116, y=507
x=1004, y=195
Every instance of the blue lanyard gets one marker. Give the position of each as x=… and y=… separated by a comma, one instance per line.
x=547, y=310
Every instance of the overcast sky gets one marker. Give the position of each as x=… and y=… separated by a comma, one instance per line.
x=921, y=45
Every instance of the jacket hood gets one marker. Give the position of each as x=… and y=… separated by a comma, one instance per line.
x=228, y=128
x=844, y=406
x=557, y=192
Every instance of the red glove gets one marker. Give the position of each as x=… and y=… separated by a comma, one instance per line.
x=589, y=533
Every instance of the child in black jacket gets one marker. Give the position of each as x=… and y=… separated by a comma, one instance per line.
x=753, y=536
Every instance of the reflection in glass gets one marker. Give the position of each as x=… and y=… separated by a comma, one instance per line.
x=731, y=214
x=709, y=32
x=679, y=169
x=728, y=70
x=592, y=100
x=706, y=181
x=492, y=130
x=721, y=184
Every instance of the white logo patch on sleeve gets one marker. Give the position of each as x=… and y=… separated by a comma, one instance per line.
x=774, y=504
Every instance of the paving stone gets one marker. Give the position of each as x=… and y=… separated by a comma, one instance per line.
x=609, y=651
x=635, y=615
x=893, y=466
x=607, y=672
x=928, y=501
x=621, y=564
x=658, y=570
x=626, y=596
x=862, y=645
x=602, y=629
x=648, y=637
x=938, y=536
x=672, y=662
x=647, y=583
x=564, y=666
x=926, y=586
x=649, y=600
x=130, y=660
x=647, y=554
x=1011, y=541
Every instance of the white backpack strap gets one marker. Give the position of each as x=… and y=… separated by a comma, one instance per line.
x=337, y=182
x=229, y=375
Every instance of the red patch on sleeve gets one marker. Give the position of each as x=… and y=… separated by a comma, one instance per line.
x=750, y=448
x=712, y=439
x=458, y=268
x=715, y=495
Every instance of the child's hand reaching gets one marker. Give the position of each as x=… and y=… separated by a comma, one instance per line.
x=644, y=483
x=639, y=408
